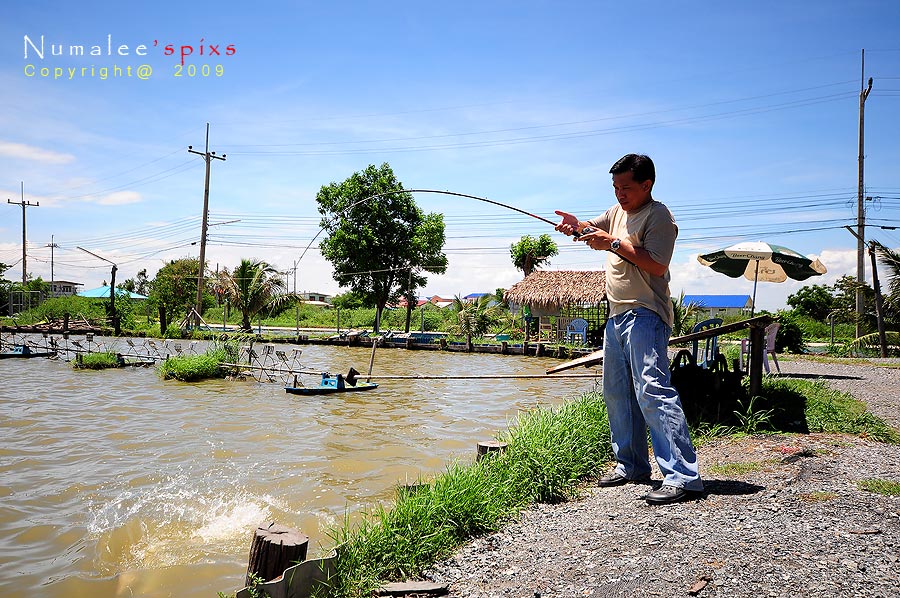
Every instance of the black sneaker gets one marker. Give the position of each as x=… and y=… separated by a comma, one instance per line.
x=614, y=478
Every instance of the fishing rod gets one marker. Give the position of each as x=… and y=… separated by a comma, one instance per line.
x=576, y=234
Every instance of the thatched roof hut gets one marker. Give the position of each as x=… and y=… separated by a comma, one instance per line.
x=549, y=290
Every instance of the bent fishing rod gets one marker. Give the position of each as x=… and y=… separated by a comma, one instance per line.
x=576, y=234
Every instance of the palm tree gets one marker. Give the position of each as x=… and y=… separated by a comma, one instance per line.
x=252, y=287
x=891, y=260
x=890, y=301
x=475, y=319
x=684, y=314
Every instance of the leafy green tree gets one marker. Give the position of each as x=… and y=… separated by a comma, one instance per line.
x=529, y=254
x=815, y=301
x=348, y=300
x=174, y=289
x=380, y=246
x=139, y=284
x=254, y=286
x=5, y=286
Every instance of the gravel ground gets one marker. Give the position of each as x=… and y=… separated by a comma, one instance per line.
x=781, y=515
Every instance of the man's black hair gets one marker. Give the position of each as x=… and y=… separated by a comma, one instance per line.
x=640, y=166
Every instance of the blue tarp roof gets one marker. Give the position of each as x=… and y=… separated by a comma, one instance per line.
x=103, y=293
x=475, y=295
x=718, y=301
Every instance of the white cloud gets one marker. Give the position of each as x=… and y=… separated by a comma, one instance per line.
x=29, y=152
x=119, y=198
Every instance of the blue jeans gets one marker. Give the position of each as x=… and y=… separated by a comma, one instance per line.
x=638, y=392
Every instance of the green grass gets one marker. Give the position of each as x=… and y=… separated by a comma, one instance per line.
x=886, y=487
x=191, y=368
x=96, y=361
x=549, y=453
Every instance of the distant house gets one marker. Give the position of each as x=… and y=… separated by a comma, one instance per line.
x=441, y=302
x=721, y=305
x=64, y=288
x=316, y=298
x=402, y=303
x=474, y=297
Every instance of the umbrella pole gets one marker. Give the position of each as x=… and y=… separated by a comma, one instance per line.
x=755, y=281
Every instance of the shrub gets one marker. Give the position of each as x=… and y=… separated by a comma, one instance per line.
x=190, y=368
x=97, y=361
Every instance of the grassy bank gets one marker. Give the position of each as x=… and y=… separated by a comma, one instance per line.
x=550, y=453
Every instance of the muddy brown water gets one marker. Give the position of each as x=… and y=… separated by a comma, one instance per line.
x=116, y=483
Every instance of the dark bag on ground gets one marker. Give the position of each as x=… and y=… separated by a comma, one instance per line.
x=708, y=395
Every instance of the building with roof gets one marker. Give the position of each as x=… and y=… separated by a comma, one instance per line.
x=554, y=298
x=717, y=306
x=64, y=288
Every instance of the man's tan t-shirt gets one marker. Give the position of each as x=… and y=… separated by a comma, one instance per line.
x=653, y=228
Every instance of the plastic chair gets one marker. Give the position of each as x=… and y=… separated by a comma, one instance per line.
x=769, y=334
x=710, y=346
x=577, y=327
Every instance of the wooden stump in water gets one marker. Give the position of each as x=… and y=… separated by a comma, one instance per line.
x=489, y=446
x=275, y=548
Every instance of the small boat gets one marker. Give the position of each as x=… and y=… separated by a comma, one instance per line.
x=330, y=385
x=24, y=352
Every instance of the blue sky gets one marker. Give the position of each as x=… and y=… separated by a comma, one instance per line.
x=748, y=109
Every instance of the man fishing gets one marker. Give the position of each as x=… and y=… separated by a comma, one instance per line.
x=639, y=234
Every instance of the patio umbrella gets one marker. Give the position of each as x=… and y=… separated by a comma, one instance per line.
x=757, y=261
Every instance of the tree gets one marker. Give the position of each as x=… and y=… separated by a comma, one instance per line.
x=890, y=259
x=348, y=300
x=684, y=315
x=529, y=253
x=815, y=301
x=140, y=284
x=254, y=286
x=844, y=293
x=379, y=246
x=174, y=290
x=5, y=286
x=475, y=319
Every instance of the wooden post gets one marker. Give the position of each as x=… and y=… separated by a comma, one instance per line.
x=504, y=347
x=757, y=354
x=275, y=548
x=489, y=446
x=539, y=350
x=443, y=342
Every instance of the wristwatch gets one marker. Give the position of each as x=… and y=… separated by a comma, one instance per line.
x=614, y=246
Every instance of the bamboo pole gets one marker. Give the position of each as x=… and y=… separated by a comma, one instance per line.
x=477, y=376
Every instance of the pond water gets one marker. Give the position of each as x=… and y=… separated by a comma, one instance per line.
x=116, y=483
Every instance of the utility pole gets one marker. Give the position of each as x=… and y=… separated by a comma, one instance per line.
x=879, y=310
x=52, y=246
x=112, y=290
x=24, y=205
x=860, y=204
x=208, y=157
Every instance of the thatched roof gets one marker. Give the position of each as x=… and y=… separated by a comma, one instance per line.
x=549, y=288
